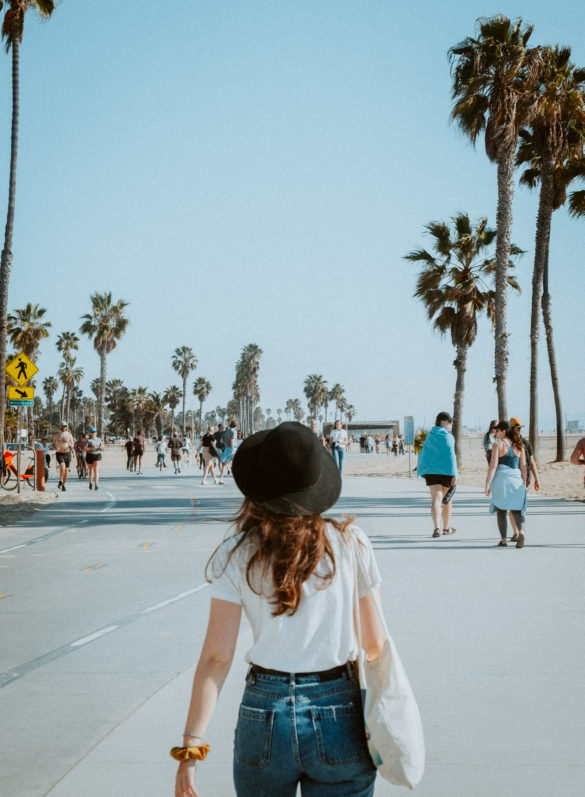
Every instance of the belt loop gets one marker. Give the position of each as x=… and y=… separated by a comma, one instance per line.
x=250, y=676
x=291, y=678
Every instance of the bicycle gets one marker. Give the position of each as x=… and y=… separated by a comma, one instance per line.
x=9, y=475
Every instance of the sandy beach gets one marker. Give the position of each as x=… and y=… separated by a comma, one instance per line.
x=557, y=479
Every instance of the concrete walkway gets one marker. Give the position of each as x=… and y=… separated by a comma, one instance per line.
x=492, y=640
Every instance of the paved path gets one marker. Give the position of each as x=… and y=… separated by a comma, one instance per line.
x=103, y=606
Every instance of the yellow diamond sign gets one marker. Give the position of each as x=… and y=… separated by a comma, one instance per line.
x=21, y=369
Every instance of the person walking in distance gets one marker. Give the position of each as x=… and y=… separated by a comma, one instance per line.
x=93, y=457
x=161, y=451
x=63, y=444
x=488, y=440
x=175, y=446
x=301, y=717
x=207, y=448
x=229, y=439
x=506, y=480
x=578, y=455
x=437, y=464
x=338, y=444
x=129, y=446
x=138, y=453
x=531, y=471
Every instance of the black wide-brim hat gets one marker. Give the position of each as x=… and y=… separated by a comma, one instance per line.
x=287, y=470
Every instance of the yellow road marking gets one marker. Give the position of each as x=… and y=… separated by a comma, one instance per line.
x=92, y=567
x=3, y=596
x=177, y=528
x=195, y=504
x=146, y=544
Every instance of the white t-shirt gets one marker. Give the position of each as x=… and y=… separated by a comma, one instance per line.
x=339, y=437
x=320, y=634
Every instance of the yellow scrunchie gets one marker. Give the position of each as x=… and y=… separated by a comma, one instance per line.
x=184, y=753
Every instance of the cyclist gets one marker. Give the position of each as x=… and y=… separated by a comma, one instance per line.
x=79, y=448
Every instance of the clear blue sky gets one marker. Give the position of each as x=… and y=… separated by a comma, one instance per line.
x=253, y=172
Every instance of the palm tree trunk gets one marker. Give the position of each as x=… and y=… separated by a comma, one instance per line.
x=184, y=399
x=50, y=412
x=200, y=417
x=504, y=228
x=62, y=408
x=460, y=364
x=102, y=396
x=543, y=221
x=6, y=258
x=546, y=317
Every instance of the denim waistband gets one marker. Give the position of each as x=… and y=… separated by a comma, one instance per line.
x=343, y=670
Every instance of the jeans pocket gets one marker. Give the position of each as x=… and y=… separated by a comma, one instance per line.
x=254, y=736
x=340, y=734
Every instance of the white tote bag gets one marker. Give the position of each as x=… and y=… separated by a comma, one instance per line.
x=393, y=724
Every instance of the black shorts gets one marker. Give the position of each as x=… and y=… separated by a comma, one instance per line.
x=63, y=456
x=438, y=478
x=90, y=457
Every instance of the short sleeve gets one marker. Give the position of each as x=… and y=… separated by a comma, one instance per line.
x=224, y=574
x=368, y=559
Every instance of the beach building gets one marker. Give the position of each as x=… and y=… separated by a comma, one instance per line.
x=359, y=428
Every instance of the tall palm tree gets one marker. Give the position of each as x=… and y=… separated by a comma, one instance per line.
x=138, y=401
x=493, y=77
x=350, y=412
x=452, y=285
x=26, y=329
x=70, y=377
x=67, y=342
x=50, y=386
x=245, y=385
x=172, y=397
x=315, y=390
x=12, y=30
x=201, y=389
x=184, y=361
x=335, y=394
x=556, y=136
x=105, y=325
x=297, y=410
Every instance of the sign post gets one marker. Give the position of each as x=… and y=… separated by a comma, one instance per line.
x=21, y=369
x=409, y=438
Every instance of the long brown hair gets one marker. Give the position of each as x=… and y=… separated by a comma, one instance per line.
x=512, y=433
x=288, y=549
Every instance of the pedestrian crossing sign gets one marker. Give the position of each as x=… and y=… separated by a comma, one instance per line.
x=21, y=394
x=21, y=369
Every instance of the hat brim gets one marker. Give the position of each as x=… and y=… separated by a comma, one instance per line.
x=313, y=500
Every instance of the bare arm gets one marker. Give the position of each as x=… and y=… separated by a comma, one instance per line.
x=492, y=467
x=578, y=455
x=213, y=666
x=523, y=469
x=373, y=634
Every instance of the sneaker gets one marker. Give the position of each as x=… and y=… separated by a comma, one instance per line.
x=178, y=470
x=95, y=487
x=204, y=484
x=60, y=485
x=90, y=486
x=63, y=487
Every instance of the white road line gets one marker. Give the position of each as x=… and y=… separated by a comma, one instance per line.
x=84, y=640
x=15, y=548
x=110, y=504
x=172, y=600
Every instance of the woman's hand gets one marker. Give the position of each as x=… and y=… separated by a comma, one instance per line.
x=536, y=485
x=487, y=490
x=185, y=780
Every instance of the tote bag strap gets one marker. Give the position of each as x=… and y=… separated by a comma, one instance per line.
x=359, y=568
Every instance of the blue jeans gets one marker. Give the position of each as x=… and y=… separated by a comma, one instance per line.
x=338, y=454
x=296, y=730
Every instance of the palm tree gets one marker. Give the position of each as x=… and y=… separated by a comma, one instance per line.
x=201, y=389
x=350, y=413
x=70, y=377
x=138, y=400
x=158, y=405
x=245, y=385
x=172, y=397
x=315, y=390
x=335, y=394
x=452, y=286
x=184, y=361
x=26, y=329
x=50, y=386
x=105, y=325
x=297, y=410
x=67, y=342
x=493, y=76
x=556, y=136
x=12, y=30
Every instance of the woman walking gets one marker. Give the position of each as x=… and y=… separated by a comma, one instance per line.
x=437, y=464
x=338, y=444
x=93, y=448
x=506, y=480
x=205, y=446
x=291, y=570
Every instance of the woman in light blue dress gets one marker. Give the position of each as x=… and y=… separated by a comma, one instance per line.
x=506, y=480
